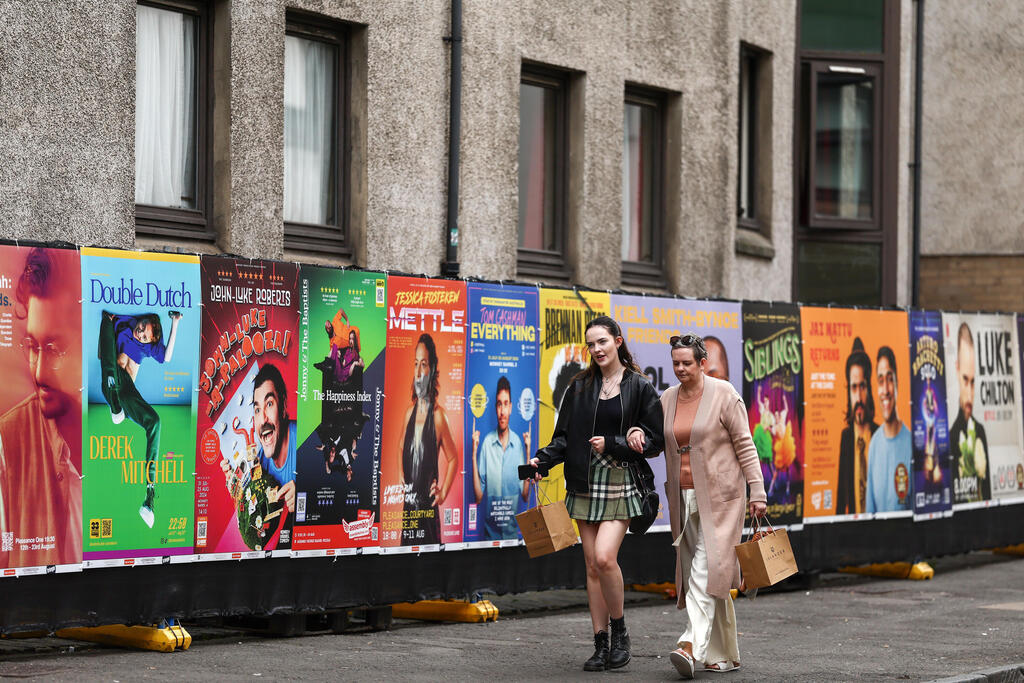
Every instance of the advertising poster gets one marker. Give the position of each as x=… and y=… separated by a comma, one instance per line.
x=563, y=353
x=502, y=361
x=40, y=411
x=982, y=390
x=245, y=462
x=421, y=457
x=140, y=357
x=773, y=393
x=933, y=484
x=647, y=324
x=341, y=395
x=857, y=442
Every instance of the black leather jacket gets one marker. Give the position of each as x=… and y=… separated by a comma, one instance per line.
x=570, y=442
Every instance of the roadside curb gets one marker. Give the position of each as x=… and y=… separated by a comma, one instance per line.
x=1010, y=673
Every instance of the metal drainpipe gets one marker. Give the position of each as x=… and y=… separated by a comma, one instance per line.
x=450, y=266
x=916, y=228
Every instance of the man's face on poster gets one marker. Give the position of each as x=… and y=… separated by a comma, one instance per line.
x=965, y=373
x=268, y=418
x=886, y=389
x=47, y=329
x=717, y=365
x=858, y=394
x=503, y=406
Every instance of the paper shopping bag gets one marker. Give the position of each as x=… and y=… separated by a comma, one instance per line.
x=766, y=558
x=546, y=529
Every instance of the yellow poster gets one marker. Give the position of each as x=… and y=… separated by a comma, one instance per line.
x=563, y=353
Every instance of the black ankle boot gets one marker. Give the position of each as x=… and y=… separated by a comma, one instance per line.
x=619, y=654
x=599, y=660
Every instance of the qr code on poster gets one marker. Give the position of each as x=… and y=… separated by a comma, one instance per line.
x=106, y=527
x=447, y=515
x=201, y=530
x=828, y=498
x=7, y=541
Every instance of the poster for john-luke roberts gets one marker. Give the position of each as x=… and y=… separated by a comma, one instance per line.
x=140, y=353
x=501, y=423
x=773, y=393
x=340, y=402
x=245, y=464
x=40, y=408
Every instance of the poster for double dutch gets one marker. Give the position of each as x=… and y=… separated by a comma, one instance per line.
x=140, y=334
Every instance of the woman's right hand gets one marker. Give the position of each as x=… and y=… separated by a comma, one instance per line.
x=536, y=465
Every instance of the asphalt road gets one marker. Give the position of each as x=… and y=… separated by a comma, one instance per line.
x=969, y=618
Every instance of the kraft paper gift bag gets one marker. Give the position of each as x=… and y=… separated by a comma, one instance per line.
x=546, y=528
x=766, y=558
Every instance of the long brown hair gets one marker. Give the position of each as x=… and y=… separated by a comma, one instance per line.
x=593, y=371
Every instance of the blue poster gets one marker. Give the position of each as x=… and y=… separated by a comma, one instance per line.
x=502, y=366
x=930, y=422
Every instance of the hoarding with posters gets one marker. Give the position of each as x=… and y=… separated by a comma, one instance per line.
x=502, y=421
x=982, y=390
x=421, y=457
x=856, y=440
x=245, y=463
x=647, y=324
x=933, y=486
x=40, y=410
x=773, y=392
x=340, y=399
x=140, y=353
x=563, y=353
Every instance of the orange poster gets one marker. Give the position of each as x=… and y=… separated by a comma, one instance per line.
x=421, y=452
x=857, y=388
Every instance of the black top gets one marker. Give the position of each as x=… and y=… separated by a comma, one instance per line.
x=608, y=420
x=577, y=420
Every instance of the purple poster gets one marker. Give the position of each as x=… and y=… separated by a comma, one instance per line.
x=648, y=323
x=929, y=421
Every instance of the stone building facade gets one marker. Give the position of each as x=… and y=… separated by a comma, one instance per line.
x=68, y=87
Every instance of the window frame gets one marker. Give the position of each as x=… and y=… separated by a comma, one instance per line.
x=334, y=239
x=544, y=263
x=651, y=273
x=809, y=187
x=195, y=224
x=752, y=91
x=885, y=230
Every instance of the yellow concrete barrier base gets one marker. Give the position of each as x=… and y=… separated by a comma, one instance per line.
x=1010, y=550
x=894, y=570
x=141, y=637
x=446, y=610
x=667, y=589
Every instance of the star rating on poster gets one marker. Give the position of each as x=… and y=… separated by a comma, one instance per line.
x=329, y=290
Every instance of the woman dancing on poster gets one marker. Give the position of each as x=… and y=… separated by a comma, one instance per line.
x=610, y=416
x=427, y=435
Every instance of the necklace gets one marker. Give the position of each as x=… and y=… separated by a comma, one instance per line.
x=608, y=385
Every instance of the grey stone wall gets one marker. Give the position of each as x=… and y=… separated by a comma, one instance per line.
x=67, y=97
x=973, y=165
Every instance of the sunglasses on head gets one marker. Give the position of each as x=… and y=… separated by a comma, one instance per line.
x=685, y=340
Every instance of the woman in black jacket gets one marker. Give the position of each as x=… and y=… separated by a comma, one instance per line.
x=609, y=416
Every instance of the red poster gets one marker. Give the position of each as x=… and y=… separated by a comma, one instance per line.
x=421, y=457
x=245, y=459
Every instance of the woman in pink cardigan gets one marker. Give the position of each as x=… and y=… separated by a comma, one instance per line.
x=709, y=456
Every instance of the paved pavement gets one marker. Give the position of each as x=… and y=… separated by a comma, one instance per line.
x=968, y=619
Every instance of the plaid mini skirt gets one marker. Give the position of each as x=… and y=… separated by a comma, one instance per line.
x=612, y=494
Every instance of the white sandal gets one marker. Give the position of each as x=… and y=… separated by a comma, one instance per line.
x=683, y=662
x=722, y=667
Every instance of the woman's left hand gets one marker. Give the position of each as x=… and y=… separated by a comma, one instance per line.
x=597, y=443
x=636, y=440
x=757, y=509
